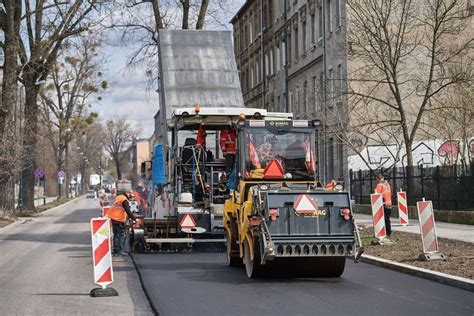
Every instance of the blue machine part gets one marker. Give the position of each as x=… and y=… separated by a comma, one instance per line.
x=158, y=176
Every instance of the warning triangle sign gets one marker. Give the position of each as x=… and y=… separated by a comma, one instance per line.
x=305, y=205
x=187, y=221
x=274, y=170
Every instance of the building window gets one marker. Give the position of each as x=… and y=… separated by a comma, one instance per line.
x=250, y=32
x=315, y=94
x=313, y=29
x=340, y=81
x=296, y=44
x=305, y=99
x=252, y=82
x=330, y=86
x=283, y=53
x=341, y=159
x=304, y=37
x=289, y=49
x=330, y=159
x=277, y=57
x=328, y=16
x=338, y=13
x=320, y=20
x=321, y=88
x=271, y=70
x=292, y=100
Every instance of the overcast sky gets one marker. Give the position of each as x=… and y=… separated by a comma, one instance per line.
x=129, y=94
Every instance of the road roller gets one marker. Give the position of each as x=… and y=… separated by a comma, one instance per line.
x=279, y=220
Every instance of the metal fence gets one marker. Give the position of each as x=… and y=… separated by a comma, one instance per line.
x=449, y=187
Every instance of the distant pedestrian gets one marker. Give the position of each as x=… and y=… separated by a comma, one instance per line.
x=383, y=187
x=118, y=213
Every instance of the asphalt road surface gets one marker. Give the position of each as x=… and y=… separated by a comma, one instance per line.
x=46, y=268
x=202, y=284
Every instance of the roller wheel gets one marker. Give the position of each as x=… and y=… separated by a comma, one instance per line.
x=231, y=245
x=252, y=267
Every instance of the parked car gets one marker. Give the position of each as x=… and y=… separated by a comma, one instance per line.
x=90, y=194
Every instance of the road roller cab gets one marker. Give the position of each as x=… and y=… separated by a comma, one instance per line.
x=278, y=220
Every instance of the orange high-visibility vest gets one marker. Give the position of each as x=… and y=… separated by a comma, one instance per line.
x=310, y=160
x=116, y=211
x=201, y=137
x=384, y=188
x=253, y=155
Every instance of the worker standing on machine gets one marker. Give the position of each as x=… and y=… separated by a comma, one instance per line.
x=228, y=142
x=118, y=213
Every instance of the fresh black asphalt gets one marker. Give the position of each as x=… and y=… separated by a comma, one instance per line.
x=202, y=284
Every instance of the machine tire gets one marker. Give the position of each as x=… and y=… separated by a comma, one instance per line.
x=253, y=268
x=232, y=261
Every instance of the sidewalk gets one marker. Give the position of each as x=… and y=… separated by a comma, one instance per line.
x=40, y=201
x=444, y=230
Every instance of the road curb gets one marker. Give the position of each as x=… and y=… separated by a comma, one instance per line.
x=15, y=223
x=459, y=282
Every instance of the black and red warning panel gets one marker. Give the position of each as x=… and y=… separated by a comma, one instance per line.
x=194, y=223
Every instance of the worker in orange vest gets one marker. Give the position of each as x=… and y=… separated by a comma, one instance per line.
x=201, y=137
x=118, y=213
x=331, y=185
x=383, y=187
x=228, y=142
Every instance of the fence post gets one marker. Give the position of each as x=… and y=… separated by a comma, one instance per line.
x=422, y=180
x=360, y=186
x=394, y=180
x=351, y=181
x=438, y=193
x=370, y=179
x=456, y=183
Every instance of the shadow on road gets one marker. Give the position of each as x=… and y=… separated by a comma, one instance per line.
x=79, y=216
x=78, y=238
x=60, y=294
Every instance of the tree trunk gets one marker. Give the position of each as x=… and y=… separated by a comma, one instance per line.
x=10, y=25
x=60, y=166
x=118, y=167
x=30, y=131
x=185, y=4
x=202, y=15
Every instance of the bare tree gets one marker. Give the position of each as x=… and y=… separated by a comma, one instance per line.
x=10, y=15
x=75, y=80
x=451, y=118
x=119, y=135
x=47, y=26
x=89, y=150
x=404, y=54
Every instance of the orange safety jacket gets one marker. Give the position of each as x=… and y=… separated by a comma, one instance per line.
x=228, y=142
x=201, y=137
x=116, y=211
x=384, y=188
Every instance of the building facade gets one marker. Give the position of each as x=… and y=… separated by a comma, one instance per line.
x=292, y=57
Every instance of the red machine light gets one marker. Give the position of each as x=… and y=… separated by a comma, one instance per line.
x=346, y=213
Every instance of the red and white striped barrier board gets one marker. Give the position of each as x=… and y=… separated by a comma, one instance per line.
x=402, y=208
x=427, y=226
x=376, y=201
x=101, y=253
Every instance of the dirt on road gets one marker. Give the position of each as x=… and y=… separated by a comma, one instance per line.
x=407, y=248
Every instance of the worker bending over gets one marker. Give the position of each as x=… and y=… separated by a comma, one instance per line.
x=118, y=213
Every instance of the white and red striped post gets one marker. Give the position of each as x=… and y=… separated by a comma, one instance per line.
x=376, y=200
x=102, y=258
x=402, y=208
x=428, y=231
